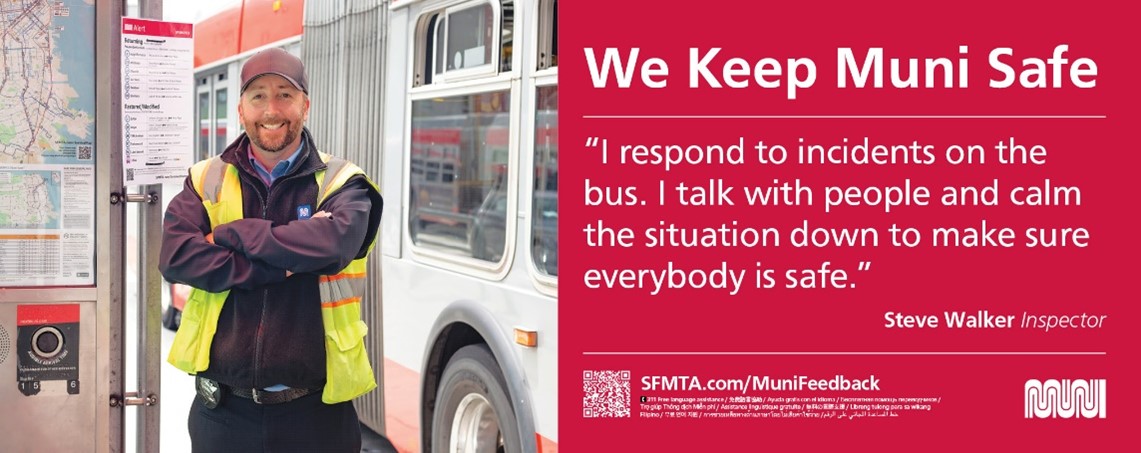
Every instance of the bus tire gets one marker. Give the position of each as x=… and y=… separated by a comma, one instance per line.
x=473, y=409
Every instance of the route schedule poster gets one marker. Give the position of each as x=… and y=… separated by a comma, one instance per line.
x=158, y=103
x=896, y=227
x=47, y=144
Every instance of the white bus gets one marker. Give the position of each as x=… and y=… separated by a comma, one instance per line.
x=452, y=108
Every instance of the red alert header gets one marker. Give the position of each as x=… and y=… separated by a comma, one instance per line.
x=157, y=28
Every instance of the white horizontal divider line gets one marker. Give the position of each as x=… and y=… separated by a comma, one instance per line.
x=839, y=353
x=852, y=117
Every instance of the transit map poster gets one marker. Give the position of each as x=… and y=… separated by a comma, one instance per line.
x=801, y=226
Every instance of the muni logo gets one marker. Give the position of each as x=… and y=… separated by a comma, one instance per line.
x=1067, y=398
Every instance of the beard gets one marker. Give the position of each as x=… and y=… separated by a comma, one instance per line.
x=260, y=140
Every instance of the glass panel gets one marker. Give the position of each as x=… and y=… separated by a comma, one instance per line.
x=548, y=44
x=439, y=49
x=469, y=37
x=203, y=125
x=545, y=204
x=555, y=36
x=447, y=173
x=506, y=36
x=220, y=124
x=458, y=203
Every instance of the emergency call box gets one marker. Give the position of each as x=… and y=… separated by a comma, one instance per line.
x=47, y=347
x=47, y=351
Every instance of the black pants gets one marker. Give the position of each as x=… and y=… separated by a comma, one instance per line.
x=302, y=425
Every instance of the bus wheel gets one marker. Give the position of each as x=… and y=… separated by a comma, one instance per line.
x=473, y=411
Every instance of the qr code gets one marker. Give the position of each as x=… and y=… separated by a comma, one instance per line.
x=83, y=152
x=130, y=174
x=605, y=393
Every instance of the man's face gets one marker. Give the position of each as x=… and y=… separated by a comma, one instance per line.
x=273, y=112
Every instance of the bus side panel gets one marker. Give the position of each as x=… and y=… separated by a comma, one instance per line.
x=424, y=292
x=395, y=107
x=257, y=31
x=214, y=37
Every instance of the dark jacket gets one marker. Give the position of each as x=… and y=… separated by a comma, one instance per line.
x=270, y=329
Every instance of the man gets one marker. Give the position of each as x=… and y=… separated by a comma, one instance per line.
x=272, y=234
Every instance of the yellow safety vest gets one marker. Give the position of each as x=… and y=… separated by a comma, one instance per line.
x=347, y=368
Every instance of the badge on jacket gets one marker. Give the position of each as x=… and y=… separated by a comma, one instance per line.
x=304, y=212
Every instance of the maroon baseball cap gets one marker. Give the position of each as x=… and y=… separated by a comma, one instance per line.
x=278, y=62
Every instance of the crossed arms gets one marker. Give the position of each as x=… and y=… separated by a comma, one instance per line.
x=251, y=252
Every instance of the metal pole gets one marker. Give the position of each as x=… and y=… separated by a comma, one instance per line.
x=149, y=321
x=150, y=299
x=110, y=217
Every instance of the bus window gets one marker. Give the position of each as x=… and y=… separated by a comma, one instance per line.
x=458, y=188
x=438, y=49
x=447, y=173
x=213, y=114
x=506, y=35
x=544, y=240
x=465, y=41
x=458, y=204
x=203, y=125
x=469, y=37
x=220, y=122
x=545, y=204
x=548, y=34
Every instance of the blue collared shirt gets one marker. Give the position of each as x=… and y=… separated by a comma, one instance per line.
x=268, y=176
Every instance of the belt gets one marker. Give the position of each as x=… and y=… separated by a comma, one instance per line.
x=264, y=397
x=213, y=391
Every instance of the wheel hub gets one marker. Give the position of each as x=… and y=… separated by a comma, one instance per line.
x=475, y=428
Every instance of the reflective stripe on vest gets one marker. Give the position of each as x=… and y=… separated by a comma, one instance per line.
x=348, y=371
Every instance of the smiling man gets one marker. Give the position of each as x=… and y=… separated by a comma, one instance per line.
x=273, y=236
x=274, y=106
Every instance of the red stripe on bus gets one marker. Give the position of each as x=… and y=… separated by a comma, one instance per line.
x=401, y=403
x=547, y=445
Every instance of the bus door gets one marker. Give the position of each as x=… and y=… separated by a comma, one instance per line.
x=211, y=108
